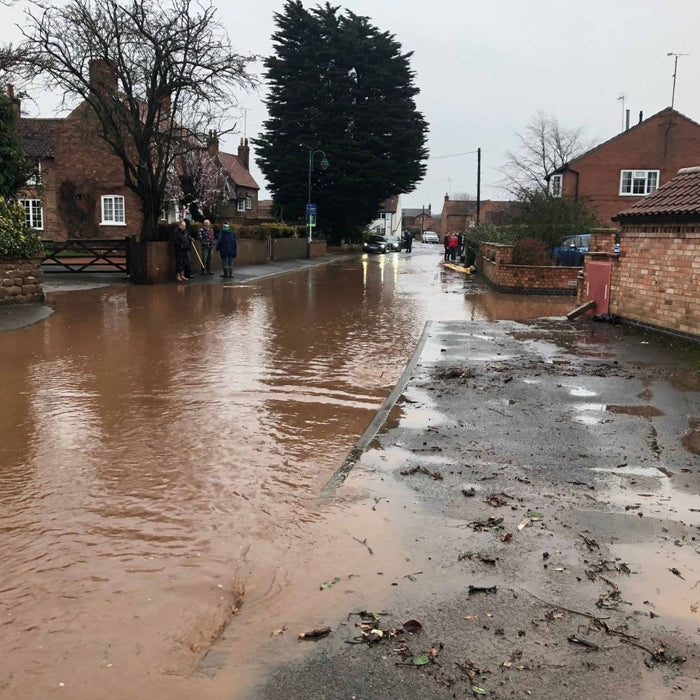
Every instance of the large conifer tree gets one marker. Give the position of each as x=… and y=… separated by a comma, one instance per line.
x=339, y=84
x=14, y=167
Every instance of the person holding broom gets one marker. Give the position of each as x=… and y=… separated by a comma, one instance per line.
x=227, y=247
x=207, y=240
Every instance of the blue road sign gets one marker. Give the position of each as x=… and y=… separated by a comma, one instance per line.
x=311, y=211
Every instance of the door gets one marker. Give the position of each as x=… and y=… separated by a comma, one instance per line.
x=598, y=274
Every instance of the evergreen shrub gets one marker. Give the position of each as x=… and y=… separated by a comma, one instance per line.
x=17, y=240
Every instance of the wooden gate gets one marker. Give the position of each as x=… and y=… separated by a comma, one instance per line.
x=598, y=274
x=85, y=255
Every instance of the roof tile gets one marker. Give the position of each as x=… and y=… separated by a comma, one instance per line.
x=237, y=171
x=38, y=136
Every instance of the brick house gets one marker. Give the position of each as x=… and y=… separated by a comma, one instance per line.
x=654, y=279
x=79, y=189
x=240, y=189
x=415, y=221
x=460, y=214
x=631, y=165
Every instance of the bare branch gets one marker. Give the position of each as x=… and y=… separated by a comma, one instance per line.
x=156, y=75
x=544, y=146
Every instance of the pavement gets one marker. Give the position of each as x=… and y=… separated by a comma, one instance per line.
x=542, y=479
x=14, y=317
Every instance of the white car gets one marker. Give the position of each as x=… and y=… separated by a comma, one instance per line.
x=430, y=237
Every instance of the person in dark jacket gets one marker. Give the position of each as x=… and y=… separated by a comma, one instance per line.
x=182, y=244
x=227, y=247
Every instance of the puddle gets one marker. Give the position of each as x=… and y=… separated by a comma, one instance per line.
x=655, y=588
x=645, y=411
x=580, y=391
x=685, y=380
x=691, y=441
x=418, y=411
x=589, y=413
x=649, y=490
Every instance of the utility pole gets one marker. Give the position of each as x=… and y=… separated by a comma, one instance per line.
x=676, y=56
x=478, y=185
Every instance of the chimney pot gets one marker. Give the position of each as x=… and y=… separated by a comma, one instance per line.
x=641, y=116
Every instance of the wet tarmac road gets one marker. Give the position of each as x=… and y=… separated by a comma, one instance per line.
x=162, y=448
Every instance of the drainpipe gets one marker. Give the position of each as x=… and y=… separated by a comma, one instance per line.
x=575, y=172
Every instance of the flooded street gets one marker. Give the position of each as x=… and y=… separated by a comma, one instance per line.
x=163, y=449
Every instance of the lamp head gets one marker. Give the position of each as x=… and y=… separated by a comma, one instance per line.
x=324, y=163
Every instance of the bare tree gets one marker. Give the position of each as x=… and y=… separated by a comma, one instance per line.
x=156, y=76
x=202, y=183
x=544, y=147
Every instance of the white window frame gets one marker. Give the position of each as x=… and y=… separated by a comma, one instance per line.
x=249, y=201
x=34, y=213
x=240, y=205
x=555, y=185
x=110, y=205
x=646, y=179
x=35, y=178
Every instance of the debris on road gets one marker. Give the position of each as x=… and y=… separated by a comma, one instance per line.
x=314, y=634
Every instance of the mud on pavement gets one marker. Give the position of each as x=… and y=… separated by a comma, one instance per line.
x=544, y=478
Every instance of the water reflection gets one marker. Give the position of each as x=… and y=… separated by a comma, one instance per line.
x=158, y=441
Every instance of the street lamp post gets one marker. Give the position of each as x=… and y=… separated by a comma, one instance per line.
x=324, y=165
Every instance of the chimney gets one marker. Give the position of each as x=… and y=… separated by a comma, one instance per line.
x=103, y=78
x=244, y=153
x=429, y=208
x=641, y=116
x=14, y=100
x=447, y=197
x=213, y=144
x=627, y=120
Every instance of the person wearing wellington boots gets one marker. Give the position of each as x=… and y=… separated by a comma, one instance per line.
x=182, y=243
x=227, y=247
x=207, y=239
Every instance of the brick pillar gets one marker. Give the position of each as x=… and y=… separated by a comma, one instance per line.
x=603, y=240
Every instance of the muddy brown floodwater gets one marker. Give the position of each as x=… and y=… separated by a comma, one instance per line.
x=162, y=451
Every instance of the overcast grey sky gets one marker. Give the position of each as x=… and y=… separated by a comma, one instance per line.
x=485, y=68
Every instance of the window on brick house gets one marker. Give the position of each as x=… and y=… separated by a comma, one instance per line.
x=637, y=183
x=240, y=205
x=35, y=178
x=555, y=185
x=34, y=213
x=249, y=201
x=113, y=210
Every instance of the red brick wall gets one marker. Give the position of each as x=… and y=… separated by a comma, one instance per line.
x=657, y=280
x=666, y=143
x=500, y=273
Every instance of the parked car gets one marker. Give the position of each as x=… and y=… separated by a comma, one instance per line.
x=430, y=237
x=375, y=244
x=571, y=251
x=393, y=243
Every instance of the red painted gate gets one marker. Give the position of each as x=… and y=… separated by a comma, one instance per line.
x=598, y=273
